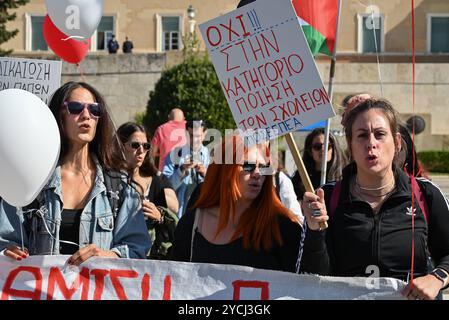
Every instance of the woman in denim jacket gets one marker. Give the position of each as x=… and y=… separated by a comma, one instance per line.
x=75, y=215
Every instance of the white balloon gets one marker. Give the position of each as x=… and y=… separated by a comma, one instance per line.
x=77, y=19
x=29, y=146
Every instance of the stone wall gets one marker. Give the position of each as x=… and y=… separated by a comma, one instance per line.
x=124, y=80
x=431, y=93
x=138, y=19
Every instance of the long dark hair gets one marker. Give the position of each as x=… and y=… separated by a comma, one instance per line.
x=101, y=145
x=408, y=157
x=335, y=164
x=126, y=130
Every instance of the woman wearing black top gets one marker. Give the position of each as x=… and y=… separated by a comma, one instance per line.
x=153, y=187
x=73, y=213
x=238, y=218
x=312, y=158
x=374, y=222
x=155, y=190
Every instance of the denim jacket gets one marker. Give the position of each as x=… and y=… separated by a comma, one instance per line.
x=125, y=234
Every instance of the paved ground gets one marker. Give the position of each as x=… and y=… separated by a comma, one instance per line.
x=443, y=182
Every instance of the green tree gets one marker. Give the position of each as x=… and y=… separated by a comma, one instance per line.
x=195, y=88
x=5, y=35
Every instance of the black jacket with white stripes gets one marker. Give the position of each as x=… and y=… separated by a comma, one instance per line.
x=358, y=243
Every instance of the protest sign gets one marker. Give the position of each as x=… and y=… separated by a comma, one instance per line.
x=40, y=77
x=48, y=278
x=266, y=69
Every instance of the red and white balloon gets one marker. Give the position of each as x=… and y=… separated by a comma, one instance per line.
x=69, y=50
x=69, y=26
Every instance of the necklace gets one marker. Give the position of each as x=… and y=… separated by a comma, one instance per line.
x=373, y=189
x=360, y=191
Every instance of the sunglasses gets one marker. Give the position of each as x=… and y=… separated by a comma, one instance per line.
x=136, y=145
x=75, y=108
x=319, y=146
x=250, y=167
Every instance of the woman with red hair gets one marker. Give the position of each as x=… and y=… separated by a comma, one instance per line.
x=238, y=219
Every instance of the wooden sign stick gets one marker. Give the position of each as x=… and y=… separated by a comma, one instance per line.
x=301, y=168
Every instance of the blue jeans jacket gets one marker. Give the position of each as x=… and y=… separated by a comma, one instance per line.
x=126, y=234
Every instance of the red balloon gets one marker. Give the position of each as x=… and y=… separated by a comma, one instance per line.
x=70, y=50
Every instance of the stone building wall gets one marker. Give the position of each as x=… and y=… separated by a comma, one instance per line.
x=126, y=81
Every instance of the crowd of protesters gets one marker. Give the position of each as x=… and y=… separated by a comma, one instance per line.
x=198, y=206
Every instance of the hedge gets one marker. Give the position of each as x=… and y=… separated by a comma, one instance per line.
x=194, y=87
x=435, y=161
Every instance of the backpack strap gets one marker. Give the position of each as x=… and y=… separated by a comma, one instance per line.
x=420, y=197
x=335, y=196
x=278, y=183
x=114, y=189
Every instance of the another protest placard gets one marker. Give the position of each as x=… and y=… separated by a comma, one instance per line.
x=48, y=278
x=40, y=77
x=266, y=70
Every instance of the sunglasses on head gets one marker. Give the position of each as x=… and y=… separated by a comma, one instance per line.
x=319, y=146
x=136, y=145
x=250, y=167
x=75, y=108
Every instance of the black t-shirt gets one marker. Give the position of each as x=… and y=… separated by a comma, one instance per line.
x=315, y=179
x=282, y=258
x=156, y=192
x=70, y=228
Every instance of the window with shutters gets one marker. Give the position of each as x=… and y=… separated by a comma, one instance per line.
x=438, y=33
x=171, y=33
x=370, y=33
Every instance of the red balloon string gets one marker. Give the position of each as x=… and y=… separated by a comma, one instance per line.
x=412, y=266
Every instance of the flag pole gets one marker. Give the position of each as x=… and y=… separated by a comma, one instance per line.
x=330, y=93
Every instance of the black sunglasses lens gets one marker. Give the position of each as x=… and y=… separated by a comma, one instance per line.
x=75, y=107
x=319, y=146
x=249, y=167
x=135, y=145
x=95, y=109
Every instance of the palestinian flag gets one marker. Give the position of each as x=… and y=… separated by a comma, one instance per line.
x=318, y=19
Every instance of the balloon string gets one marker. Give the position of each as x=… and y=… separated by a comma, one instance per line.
x=80, y=70
x=19, y=213
x=377, y=48
x=40, y=214
x=51, y=235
